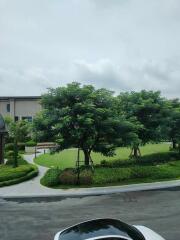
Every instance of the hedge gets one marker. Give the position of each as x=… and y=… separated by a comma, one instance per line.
x=9, y=175
x=152, y=159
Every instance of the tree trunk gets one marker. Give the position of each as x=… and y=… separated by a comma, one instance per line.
x=15, y=154
x=173, y=144
x=1, y=150
x=135, y=152
x=86, y=157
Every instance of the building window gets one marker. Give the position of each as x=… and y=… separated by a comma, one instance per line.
x=28, y=118
x=8, y=107
x=16, y=118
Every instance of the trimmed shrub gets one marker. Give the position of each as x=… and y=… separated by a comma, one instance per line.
x=21, y=146
x=86, y=177
x=51, y=177
x=152, y=159
x=10, y=159
x=30, y=144
x=9, y=147
x=111, y=175
x=9, y=173
x=68, y=176
x=144, y=172
x=17, y=175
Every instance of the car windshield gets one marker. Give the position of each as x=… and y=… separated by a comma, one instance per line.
x=102, y=228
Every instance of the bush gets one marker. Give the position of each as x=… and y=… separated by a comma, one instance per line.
x=9, y=175
x=10, y=159
x=30, y=144
x=9, y=154
x=68, y=176
x=111, y=175
x=86, y=177
x=9, y=147
x=144, y=172
x=152, y=159
x=51, y=177
x=21, y=146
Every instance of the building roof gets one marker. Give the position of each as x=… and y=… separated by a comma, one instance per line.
x=20, y=97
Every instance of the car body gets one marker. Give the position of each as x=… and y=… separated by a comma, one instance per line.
x=106, y=229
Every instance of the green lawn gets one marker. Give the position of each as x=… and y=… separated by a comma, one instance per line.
x=67, y=158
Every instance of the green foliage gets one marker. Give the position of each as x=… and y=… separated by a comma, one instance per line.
x=9, y=147
x=137, y=173
x=111, y=175
x=68, y=176
x=171, y=127
x=21, y=146
x=30, y=144
x=19, y=130
x=83, y=117
x=147, y=110
x=86, y=177
x=54, y=177
x=51, y=177
x=9, y=175
x=152, y=159
x=10, y=159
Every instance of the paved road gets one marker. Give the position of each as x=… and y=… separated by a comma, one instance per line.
x=40, y=220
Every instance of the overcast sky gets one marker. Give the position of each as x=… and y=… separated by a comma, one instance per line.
x=122, y=45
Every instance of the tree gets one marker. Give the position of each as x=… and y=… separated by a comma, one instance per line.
x=18, y=132
x=147, y=110
x=82, y=117
x=172, y=123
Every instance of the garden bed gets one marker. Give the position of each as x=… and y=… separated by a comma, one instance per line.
x=10, y=175
x=112, y=176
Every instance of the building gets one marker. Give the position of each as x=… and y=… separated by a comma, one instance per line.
x=20, y=107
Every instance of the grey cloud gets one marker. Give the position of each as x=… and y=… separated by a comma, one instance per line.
x=148, y=75
x=123, y=44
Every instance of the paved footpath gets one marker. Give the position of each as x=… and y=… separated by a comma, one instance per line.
x=33, y=188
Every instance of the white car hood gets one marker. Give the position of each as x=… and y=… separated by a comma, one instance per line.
x=148, y=233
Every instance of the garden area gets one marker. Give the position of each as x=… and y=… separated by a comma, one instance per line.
x=10, y=175
x=156, y=164
x=13, y=168
x=98, y=138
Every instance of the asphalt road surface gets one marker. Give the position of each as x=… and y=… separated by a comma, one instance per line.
x=41, y=219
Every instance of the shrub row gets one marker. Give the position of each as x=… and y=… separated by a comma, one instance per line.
x=9, y=175
x=21, y=146
x=115, y=175
x=10, y=158
x=107, y=175
x=56, y=176
x=153, y=159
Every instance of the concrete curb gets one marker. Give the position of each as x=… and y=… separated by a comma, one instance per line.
x=83, y=192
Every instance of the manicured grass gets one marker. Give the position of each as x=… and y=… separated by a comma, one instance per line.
x=67, y=158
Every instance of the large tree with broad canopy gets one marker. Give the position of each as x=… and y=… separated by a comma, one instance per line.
x=83, y=117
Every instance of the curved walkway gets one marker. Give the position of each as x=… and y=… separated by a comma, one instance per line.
x=33, y=188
